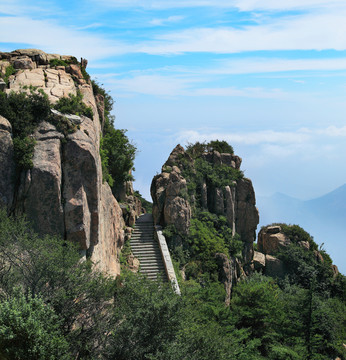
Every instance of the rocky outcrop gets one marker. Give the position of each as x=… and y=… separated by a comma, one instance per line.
x=168, y=191
x=174, y=205
x=235, y=201
x=63, y=192
x=271, y=239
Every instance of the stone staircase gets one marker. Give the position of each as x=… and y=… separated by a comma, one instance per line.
x=146, y=248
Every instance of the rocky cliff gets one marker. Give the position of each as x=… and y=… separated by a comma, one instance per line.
x=187, y=185
x=63, y=193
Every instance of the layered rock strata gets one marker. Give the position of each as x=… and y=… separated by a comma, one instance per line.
x=63, y=194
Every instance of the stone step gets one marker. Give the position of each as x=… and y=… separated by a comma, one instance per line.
x=148, y=252
x=143, y=245
x=143, y=237
x=146, y=248
x=147, y=255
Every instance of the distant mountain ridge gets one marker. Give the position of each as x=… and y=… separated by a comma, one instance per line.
x=323, y=217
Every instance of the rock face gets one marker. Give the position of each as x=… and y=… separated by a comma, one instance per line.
x=271, y=239
x=236, y=201
x=7, y=166
x=229, y=273
x=168, y=191
x=63, y=193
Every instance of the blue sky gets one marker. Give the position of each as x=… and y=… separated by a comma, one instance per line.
x=268, y=76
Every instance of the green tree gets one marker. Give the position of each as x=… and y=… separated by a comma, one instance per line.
x=120, y=153
x=51, y=269
x=147, y=316
x=256, y=307
x=29, y=330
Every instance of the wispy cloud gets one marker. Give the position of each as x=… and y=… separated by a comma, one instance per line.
x=166, y=21
x=271, y=65
x=247, y=138
x=52, y=37
x=303, y=32
x=269, y=138
x=243, y=5
x=177, y=85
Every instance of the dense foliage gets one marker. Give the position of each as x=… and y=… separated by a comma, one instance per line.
x=52, y=306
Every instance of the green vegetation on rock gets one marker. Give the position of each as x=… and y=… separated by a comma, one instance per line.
x=73, y=104
x=209, y=232
x=24, y=111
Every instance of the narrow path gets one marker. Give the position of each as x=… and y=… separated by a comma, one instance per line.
x=146, y=248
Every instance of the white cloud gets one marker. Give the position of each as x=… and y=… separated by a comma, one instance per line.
x=175, y=85
x=250, y=5
x=304, y=32
x=289, y=141
x=270, y=65
x=330, y=131
x=247, y=138
x=259, y=93
x=51, y=37
x=169, y=20
x=151, y=85
x=242, y=5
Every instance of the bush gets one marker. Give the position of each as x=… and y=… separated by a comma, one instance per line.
x=10, y=70
x=118, y=154
x=197, y=149
x=73, y=104
x=59, y=62
x=29, y=329
x=24, y=151
x=24, y=112
x=147, y=205
x=296, y=233
x=50, y=269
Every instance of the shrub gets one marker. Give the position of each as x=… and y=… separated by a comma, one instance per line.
x=50, y=268
x=73, y=104
x=296, y=233
x=10, y=70
x=198, y=148
x=24, y=151
x=29, y=329
x=120, y=154
x=59, y=62
x=24, y=112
